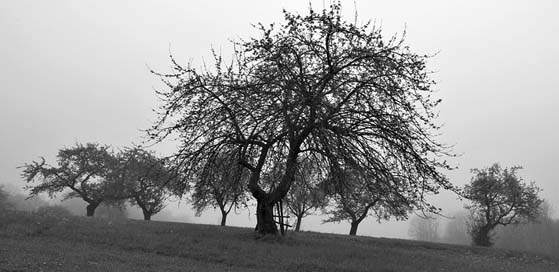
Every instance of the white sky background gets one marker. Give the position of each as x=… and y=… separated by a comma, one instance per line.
x=75, y=71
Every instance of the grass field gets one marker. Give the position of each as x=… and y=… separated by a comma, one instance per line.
x=31, y=242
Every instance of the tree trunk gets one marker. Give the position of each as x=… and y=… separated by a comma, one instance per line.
x=353, y=230
x=266, y=201
x=481, y=236
x=223, y=217
x=265, y=217
x=298, y=225
x=91, y=209
x=147, y=215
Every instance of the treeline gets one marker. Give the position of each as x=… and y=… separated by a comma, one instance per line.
x=102, y=177
x=133, y=176
x=98, y=175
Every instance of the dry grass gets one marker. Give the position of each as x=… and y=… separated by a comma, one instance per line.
x=31, y=242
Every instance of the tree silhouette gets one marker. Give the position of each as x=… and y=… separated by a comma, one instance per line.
x=355, y=195
x=220, y=184
x=305, y=194
x=84, y=169
x=144, y=177
x=314, y=84
x=499, y=197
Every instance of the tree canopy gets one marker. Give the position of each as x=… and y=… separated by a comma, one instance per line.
x=313, y=84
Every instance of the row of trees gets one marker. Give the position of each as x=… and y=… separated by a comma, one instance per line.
x=315, y=111
x=96, y=174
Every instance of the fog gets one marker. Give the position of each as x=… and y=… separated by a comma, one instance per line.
x=77, y=71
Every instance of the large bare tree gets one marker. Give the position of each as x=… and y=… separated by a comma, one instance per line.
x=313, y=84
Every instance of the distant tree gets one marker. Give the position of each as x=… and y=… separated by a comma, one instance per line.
x=220, y=184
x=145, y=178
x=83, y=169
x=314, y=84
x=4, y=199
x=424, y=229
x=499, y=197
x=540, y=236
x=305, y=194
x=355, y=196
x=456, y=230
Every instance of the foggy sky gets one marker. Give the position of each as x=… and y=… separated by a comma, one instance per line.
x=77, y=71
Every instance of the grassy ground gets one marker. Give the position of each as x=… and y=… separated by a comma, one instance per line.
x=30, y=242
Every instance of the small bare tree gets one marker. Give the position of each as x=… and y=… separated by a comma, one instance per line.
x=305, y=195
x=499, y=197
x=84, y=169
x=144, y=178
x=221, y=183
x=356, y=193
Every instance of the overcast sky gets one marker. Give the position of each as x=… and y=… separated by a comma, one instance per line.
x=77, y=71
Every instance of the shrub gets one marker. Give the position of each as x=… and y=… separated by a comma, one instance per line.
x=53, y=211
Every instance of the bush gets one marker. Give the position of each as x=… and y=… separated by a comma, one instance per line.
x=53, y=211
x=111, y=212
x=4, y=199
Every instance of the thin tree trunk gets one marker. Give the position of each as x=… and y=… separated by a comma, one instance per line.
x=353, y=230
x=147, y=215
x=298, y=225
x=91, y=209
x=223, y=217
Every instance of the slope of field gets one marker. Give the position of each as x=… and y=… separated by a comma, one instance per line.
x=31, y=242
